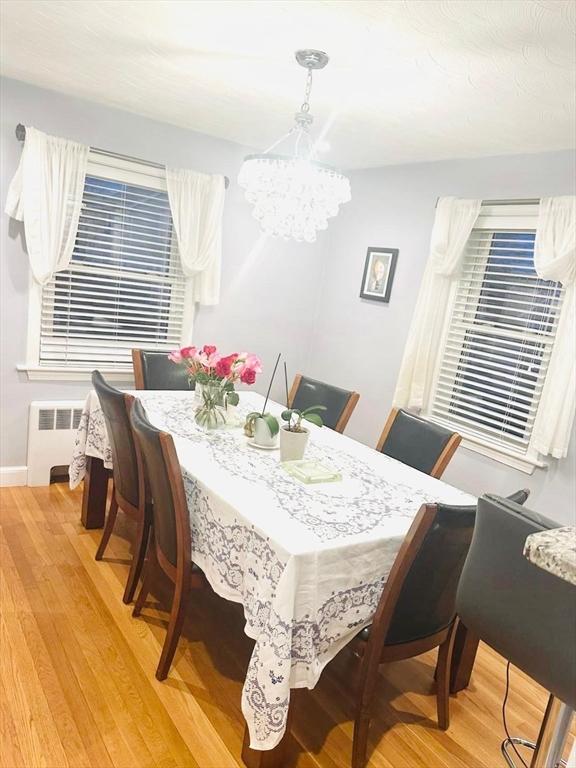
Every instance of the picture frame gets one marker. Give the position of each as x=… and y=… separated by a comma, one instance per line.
x=379, y=268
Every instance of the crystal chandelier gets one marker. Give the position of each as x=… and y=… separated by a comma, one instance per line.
x=293, y=194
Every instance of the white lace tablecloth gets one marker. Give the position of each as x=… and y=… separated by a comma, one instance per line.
x=307, y=562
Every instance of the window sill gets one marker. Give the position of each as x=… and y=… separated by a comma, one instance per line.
x=46, y=373
x=525, y=464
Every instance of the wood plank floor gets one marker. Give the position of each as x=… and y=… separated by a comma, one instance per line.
x=77, y=671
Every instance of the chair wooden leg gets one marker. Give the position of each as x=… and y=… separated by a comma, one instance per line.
x=147, y=573
x=443, y=678
x=360, y=740
x=177, y=614
x=368, y=679
x=140, y=545
x=108, y=527
x=464, y=656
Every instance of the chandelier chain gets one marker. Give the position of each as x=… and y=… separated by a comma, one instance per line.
x=306, y=103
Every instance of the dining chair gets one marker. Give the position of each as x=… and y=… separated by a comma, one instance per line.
x=339, y=403
x=417, y=609
x=170, y=544
x=153, y=370
x=128, y=492
x=418, y=442
x=524, y=613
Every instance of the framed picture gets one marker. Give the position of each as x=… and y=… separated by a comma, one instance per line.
x=378, y=274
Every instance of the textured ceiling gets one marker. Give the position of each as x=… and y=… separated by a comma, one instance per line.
x=408, y=80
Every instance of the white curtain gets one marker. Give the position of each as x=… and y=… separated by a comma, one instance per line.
x=555, y=259
x=197, y=205
x=46, y=194
x=453, y=224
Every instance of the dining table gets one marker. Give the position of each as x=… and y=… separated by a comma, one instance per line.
x=307, y=562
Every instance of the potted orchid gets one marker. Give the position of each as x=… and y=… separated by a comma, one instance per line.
x=215, y=376
x=262, y=426
x=293, y=435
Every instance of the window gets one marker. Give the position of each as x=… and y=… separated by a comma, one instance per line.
x=124, y=287
x=498, y=339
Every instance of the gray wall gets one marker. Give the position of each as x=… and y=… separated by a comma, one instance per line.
x=258, y=312
x=298, y=299
x=358, y=344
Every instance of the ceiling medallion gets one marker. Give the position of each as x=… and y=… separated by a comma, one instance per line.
x=293, y=194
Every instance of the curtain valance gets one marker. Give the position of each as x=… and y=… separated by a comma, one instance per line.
x=555, y=259
x=197, y=205
x=453, y=224
x=46, y=194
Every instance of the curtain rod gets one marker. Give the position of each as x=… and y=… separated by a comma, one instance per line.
x=517, y=201
x=21, y=136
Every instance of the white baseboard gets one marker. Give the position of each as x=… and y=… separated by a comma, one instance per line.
x=13, y=476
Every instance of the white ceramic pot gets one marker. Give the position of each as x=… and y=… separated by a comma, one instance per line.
x=293, y=444
x=262, y=434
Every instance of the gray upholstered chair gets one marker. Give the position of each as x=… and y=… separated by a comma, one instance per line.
x=525, y=613
x=153, y=370
x=417, y=610
x=417, y=442
x=339, y=403
x=128, y=493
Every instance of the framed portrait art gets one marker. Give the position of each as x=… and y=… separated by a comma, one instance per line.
x=378, y=274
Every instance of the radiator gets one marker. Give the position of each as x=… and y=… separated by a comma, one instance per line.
x=52, y=429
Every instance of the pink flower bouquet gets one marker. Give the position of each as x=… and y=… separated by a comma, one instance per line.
x=218, y=373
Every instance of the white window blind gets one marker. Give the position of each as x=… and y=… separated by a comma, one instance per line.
x=124, y=287
x=498, y=341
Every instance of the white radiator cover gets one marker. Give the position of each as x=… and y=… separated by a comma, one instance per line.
x=52, y=426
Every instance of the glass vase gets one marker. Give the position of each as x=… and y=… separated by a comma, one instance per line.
x=211, y=414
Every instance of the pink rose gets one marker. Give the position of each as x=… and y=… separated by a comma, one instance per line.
x=188, y=352
x=175, y=356
x=209, y=350
x=207, y=360
x=248, y=376
x=254, y=363
x=224, y=366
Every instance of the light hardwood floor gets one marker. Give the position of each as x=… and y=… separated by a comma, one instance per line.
x=77, y=671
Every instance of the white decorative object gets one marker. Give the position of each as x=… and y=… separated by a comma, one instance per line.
x=46, y=194
x=294, y=195
x=197, y=205
x=555, y=259
x=311, y=471
x=453, y=224
x=293, y=444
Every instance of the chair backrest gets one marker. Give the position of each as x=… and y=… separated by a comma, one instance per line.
x=339, y=403
x=428, y=578
x=426, y=603
x=164, y=477
x=418, y=442
x=153, y=370
x=116, y=407
x=525, y=613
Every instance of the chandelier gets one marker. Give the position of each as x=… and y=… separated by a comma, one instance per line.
x=293, y=194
